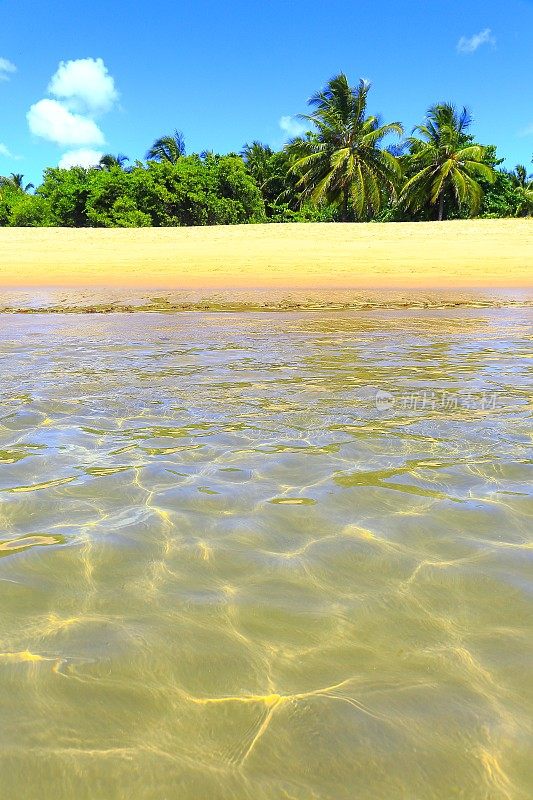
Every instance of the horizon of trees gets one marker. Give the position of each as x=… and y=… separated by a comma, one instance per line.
x=348, y=166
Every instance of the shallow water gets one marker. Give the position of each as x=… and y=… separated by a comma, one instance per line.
x=266, y=556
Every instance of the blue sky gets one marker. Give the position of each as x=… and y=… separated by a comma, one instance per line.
x=227, y=73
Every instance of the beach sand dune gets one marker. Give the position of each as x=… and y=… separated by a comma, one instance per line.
x=478, y=253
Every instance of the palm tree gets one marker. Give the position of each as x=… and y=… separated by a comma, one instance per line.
x=16, y=179
x=341, y=162
x=447, y=165
x=271, y=171
x=108, y=160
x=523, y=184
x=167, y=148
x=519, y=175
x=257, y=157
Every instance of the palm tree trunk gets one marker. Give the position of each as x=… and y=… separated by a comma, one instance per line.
x=441, y=206
x=344, y=212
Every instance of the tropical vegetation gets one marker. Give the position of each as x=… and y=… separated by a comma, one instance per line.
x=349, y=165
x=445, y=166
x=341, y=162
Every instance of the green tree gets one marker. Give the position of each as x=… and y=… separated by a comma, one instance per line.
x=500, y=198
x=30, y=211
x=215, y=190
x=9, y=196
x=341, y=161
x=18, y=209
x=108, y=198
x=67, y=191
x=167, y=148
x=446, y=166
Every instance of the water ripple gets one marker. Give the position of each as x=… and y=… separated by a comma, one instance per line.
x=266, y=555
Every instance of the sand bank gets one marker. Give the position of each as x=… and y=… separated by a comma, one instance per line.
x=432, y=255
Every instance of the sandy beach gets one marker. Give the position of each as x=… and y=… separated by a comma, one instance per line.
x=430, y=255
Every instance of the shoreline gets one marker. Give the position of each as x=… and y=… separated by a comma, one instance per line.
x=94, y=300
x=323, y=259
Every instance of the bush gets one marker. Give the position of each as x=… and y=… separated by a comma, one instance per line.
x=501, y=199
x=281, y=212
x=216, y=190
x=31, y=211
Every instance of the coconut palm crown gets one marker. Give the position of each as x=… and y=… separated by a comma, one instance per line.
x=341, y=161
x=108, y=160
x=16, y=179
x=167, y=148
x=257, y=156
x=447, y=166
x=523, y=186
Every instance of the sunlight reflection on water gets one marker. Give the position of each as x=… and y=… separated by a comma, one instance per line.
x=266, y=555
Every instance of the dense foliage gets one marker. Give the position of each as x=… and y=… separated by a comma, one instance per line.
x=216, y=190
x=342, y=169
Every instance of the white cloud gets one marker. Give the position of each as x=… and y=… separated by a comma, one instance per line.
x=84, y=85
x=292, y=126
x=82, y=89
x=6, y=69
x=80, y=158
x=6, y=152
x=471, y=44
x=50, y=120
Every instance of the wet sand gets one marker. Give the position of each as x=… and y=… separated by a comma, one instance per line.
x=459, y=254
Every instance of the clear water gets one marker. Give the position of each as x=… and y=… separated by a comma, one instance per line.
x=266, y=556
